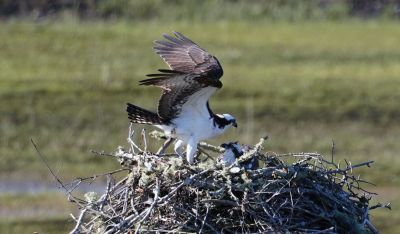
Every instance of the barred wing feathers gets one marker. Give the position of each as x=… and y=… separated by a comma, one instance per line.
x=183, y=55
x=178, y=89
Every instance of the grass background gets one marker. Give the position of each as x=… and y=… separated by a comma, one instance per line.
x=65, y=85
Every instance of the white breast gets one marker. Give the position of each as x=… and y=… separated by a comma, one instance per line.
x=194, y=119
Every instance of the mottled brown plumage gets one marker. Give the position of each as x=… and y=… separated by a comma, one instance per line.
x=183, y=55
x=194, y=74
x=177, y=89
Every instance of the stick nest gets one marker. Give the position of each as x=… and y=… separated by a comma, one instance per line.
x=288, y=193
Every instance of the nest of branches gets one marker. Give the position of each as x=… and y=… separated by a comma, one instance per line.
x=164, y=194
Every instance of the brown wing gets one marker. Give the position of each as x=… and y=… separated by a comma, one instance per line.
x=179, y=88
x=183, y=55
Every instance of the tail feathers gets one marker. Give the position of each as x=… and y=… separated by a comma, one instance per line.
x=139, y=115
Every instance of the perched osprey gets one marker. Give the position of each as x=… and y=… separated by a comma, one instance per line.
x=233, y=151
x=183, y=110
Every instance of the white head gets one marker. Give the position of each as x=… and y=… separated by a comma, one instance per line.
x=225, y=120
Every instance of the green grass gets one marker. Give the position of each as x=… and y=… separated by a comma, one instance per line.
x=40, y=212
x=65, y=85
x=48, y=226
x=386, y=220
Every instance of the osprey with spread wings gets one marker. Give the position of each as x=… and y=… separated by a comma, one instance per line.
x=183, y=112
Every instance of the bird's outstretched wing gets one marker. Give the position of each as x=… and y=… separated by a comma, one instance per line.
x=183, y=55
x=182, y=92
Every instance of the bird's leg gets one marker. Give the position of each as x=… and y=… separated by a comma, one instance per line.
x=165, y=145
x=178, y=148
x=191, y=149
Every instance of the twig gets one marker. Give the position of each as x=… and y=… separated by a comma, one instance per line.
x=188, y=181
x=332, y=150
x=123, y=156
x=150, y=209
x=221, y=202
x=144, y=139
x=379, y=205
x=194, y=216
x=204, y=219
x=131, y=142
x=48, y=166
x=68, y=192
x=77, y=227
x=350, y=167
x=205, y=146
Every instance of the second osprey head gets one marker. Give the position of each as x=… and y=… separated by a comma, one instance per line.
x=233, y=151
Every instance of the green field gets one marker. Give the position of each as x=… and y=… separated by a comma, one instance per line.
x=65, y=85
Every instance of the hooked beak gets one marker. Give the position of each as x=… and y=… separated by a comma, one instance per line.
x=234, y=124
